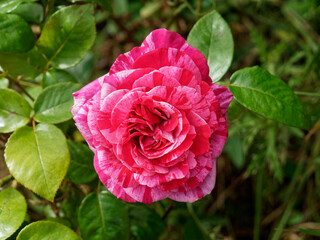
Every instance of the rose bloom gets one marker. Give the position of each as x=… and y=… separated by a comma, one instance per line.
x=155, y=122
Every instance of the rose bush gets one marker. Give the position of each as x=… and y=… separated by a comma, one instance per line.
x=155, y=122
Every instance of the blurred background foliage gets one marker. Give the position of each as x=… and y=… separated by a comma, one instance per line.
x=268, y=177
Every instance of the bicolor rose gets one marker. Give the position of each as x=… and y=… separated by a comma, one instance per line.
x=155, y=122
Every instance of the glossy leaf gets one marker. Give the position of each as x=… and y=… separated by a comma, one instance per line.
x=56, y=76
x=9, y=5
x=68, y=35
x=258, y=90
x=14, y=111
x=31, y=12
x=47, y=230
x=81, y=163
x=13, y=208
x=4, y=82
x=28, y=65
x=145, y=223
x=103, y=217
x=211, y=35
x=15, y=34
x=83, y=70
x=53, y=105
x=38, y=158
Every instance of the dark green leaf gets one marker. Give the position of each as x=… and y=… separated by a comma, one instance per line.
x=53, y=105
x=15, y=34
x=81, y=165
x=265, y=94
x=235, y=150
x=28, y=65
x=47, y=230
x=31, y=12
x=145, y=223
x=4, y=82
x=38, y=158
x=211, y=35
x=13, y=208
x=103, y=217
x=14, y=111
x=68, y=35
x=56, y=76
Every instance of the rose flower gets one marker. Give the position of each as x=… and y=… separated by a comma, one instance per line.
x=155, y=122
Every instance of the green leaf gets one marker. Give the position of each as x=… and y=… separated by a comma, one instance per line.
x=56, y=76
x=107, y=4
x=83, y=70
x=234, y=148
x=258, y=90
x=47, y=230
x=38, y=158
x=53, y=105
x=15, y=34
x=81, y=165
x=33, y=91
x=145, y=223
x=9, y=5
x=31, y=12
x=13, y=208
x=211, y=35
x=103, y=217
x=28, y=65
x=14, y=110
x=68, y=35
x=4, y=82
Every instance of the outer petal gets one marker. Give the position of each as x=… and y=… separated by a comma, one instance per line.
x=199, y=192
x=82, y=96
x=224, y=96
x=110, y=185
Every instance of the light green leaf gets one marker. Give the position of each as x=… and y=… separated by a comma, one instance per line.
x=103, y=217
x=145, y=223
x=211, y=35
x=14, y=110
x=13, y=208
x=15, y=34
x=258, y=90
x=28, y=65
x=56, y=76
x=68, y=35
x=4, y=82
x=81, y=165
x=53, y=105
x=9, y=5
x=31, y=12
x=38, y=158
x=47, y=230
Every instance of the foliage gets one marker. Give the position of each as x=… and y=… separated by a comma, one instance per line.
x=268, y=177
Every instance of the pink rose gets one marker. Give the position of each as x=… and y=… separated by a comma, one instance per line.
x=155, y=122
